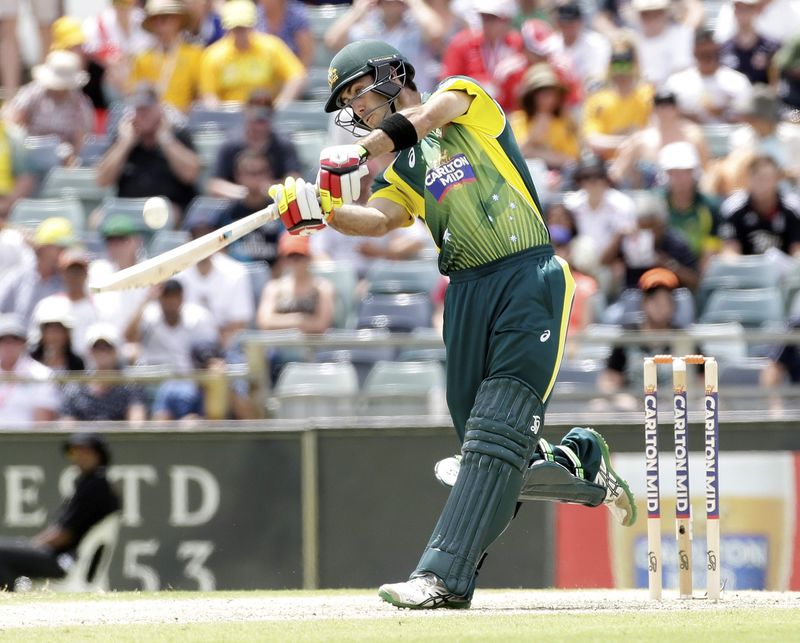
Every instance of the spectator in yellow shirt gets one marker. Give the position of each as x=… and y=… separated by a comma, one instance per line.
x=244, y=61
x=542, y=127
x=171, y=65
x=610, y=115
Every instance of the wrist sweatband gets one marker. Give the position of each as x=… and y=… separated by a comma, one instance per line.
x=400, y=130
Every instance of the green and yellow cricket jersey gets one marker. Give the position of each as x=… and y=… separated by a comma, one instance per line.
x=470, y=184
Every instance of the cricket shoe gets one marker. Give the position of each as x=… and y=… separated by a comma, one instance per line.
x=619, y=499
x=424, y=592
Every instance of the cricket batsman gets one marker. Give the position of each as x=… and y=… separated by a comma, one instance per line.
x=458, y=167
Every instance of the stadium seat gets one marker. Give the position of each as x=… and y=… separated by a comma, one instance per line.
x=259, y=274
x=77, y=183
x=343, y=277
x=320, y=18
x=751, y=307
x=595, y=350
x=131, y=208
x=316, y=390
x=227, y=119
x=745, y=271
x=729, y=344
x=93, y=149
x=42, y=153
x=317, y=84
x=164, y=240
x=308, y=145
x=301, y=115
x=399, y=313
x=90, y=571
x=207, y=145
x=405, y=388
x=363, y=358
x=790, y=285
x=30, y=212
x=718, y=138
x=744, y=372
x=416, y=354
x=207, y=205
x=627, y=310
x=402, y=276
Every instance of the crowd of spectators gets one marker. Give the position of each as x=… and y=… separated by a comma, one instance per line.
x=661, y=135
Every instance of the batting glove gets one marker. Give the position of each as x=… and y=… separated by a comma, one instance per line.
x=341, y=169
x=298, y=206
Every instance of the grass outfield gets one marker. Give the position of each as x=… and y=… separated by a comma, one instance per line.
x=358, y=616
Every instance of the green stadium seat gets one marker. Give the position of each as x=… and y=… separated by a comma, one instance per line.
x=207, y=145
x=745, y=271
x=308, y=145
x=42, y=153
x=28, y=213
x=302, y=115
x=718, y=138
x=401, y=312
x=343, y=277
x=730, y=346
x=402, y=276
x=750, y=307
x=75, y=183
x=93, y=149
x=405, y=388
x=316, y=390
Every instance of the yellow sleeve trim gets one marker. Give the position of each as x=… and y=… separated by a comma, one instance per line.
x=401, y=193
x=484, y=114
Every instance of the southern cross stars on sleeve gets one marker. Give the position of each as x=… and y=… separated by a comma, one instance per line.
x=513, y=238
x=495, y=197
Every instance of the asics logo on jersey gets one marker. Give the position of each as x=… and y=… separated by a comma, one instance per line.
x=412, y=158
x=544, y=336
x=454, y=172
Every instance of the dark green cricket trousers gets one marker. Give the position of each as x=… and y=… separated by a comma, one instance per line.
x=509, y=319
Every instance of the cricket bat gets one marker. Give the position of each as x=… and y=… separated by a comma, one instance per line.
x=163, y=266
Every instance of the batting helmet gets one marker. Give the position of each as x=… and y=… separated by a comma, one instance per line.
x=368, y=57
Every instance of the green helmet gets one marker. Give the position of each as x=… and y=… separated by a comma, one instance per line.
x=363, y=57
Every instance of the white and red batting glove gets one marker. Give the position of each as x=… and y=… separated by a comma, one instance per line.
x=298, y=206
x=340, y=170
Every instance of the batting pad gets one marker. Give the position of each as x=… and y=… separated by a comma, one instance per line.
x=501, y=435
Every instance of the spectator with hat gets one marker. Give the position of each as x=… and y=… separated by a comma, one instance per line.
x=613, y=113
x=746, y=50
x=50, y=553
x=253, y=173
x=165, y=327
x=588, y=51
x=75, y=300
x=540, y=47
x=244, y=61
x=636, y=164
x=22, y=403
x=149, y=156
x=691, y=211
x=709, y=92
x=298, y=299
x=24, y=287
x=171, y=66
x=258, y=137
x=53, y=103
x=204, y=26
x=601, y=212
x=623, y=367
x=99, y=400
x=122, y=243
x=543, y=127
x=51, y=334
x=218, y=283
x=408, y=25
x=664, y=47
x=482, y=53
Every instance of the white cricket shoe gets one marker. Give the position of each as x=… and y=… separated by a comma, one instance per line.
x=422, y=592
x=619, y=499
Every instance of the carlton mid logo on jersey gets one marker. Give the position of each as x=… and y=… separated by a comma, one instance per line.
x=457, y=171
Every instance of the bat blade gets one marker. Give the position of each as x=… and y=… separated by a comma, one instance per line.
x=167, y=264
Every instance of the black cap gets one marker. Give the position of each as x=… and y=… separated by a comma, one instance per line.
x=569, y=11
x=590, y=166
x=94, y=441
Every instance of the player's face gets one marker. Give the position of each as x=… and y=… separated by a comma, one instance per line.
x=369, y=106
